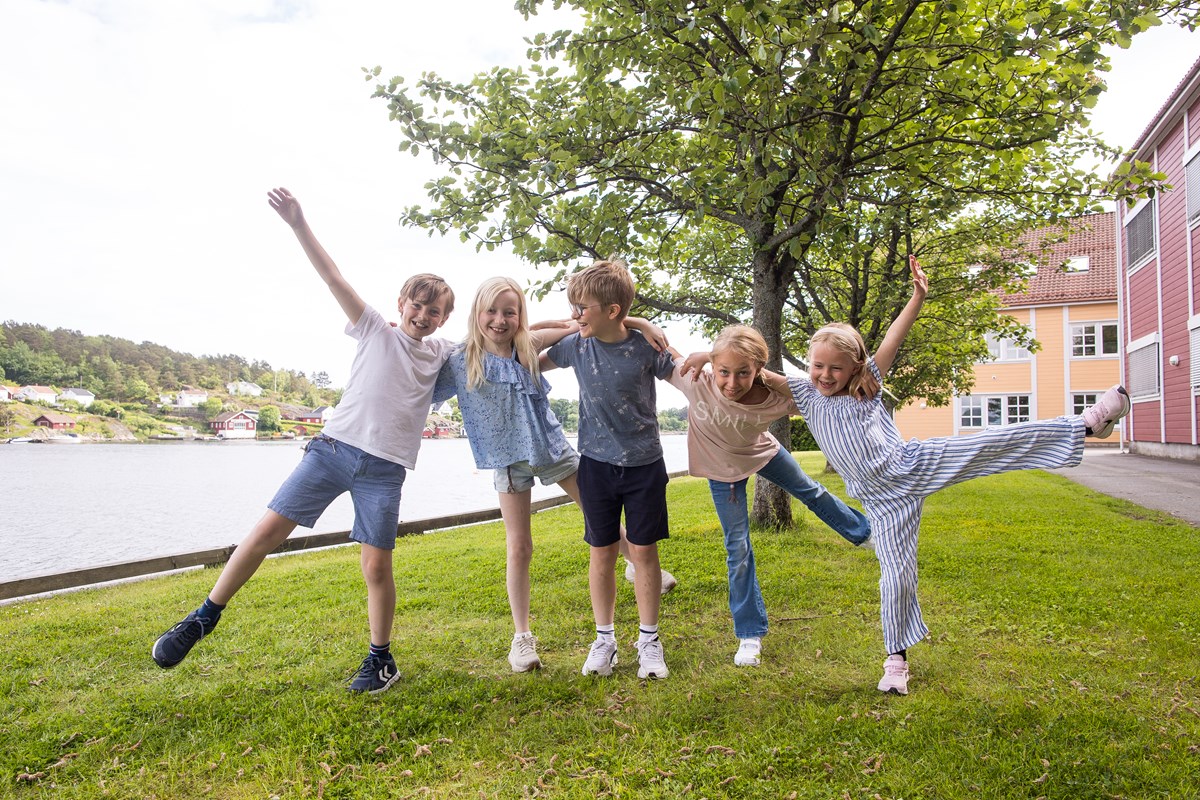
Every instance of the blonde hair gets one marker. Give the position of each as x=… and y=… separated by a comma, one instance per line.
x=744, y=341
x=608, y=282
x=845, y=339
x=428, y=288
x=473, y=348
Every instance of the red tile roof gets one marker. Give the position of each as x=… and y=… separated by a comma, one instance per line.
x=1095, y=237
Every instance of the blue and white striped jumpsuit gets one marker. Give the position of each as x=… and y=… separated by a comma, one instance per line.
x=892, y=479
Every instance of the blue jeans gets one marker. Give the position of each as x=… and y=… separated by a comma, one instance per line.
x=745, y=597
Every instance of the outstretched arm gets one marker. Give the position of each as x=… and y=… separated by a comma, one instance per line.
x=885, y=356
x=289, y=210
x=551, y=332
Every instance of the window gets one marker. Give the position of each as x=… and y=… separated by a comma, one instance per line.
x=1077, y=264
x=1193, y=188
x=1094, y=339
x=1139, y=235
x=979, y=411
x=1194, y=340
x=1005, y=349
x=1081, y=400
x=1144, y=362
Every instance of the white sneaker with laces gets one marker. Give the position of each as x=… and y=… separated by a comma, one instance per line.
x=895, y=675
x=651, y=663
x=602, y=657
x=523, y=654
x=748, y=652
x=668, y=580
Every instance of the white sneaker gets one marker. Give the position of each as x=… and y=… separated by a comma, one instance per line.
x=668, y=580
x=748, y=652
x=1109, y=407
x=523, y=654
x=602, y=657
x=650, y=660
x=895, y=675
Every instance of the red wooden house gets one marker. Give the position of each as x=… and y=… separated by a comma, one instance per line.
x=234, y=425
x=1158, y=246
x=55, y=422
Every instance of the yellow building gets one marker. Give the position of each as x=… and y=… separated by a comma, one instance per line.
x=1071, y=307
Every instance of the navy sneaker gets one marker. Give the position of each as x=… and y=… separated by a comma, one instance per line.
x=174, y=645
x=375, y=675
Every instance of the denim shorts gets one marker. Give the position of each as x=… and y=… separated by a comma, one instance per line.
x=328, y=469
x=607, y=489
x=517, y=478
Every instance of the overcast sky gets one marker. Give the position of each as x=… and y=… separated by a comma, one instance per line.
x=139, y=138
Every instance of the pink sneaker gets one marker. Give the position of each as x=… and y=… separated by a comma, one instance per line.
x=1111, y=406
x=895, y=675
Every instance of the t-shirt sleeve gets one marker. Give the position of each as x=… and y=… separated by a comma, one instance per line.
x=664, y=365
x=446, y=386
x=560, y=352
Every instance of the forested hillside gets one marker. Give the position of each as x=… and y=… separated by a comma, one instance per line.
x=127, y=372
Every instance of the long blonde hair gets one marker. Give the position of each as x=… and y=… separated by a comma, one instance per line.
x=473, y=347
x=845, y=339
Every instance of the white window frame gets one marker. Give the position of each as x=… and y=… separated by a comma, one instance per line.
x=1081, y=400
x=1077, y=264
x=1097, y=338
x=1005, y=350
x=1144, y=206
x=1144, y=368
x=993, y=410
x=1194, y=351
x=1191, y=167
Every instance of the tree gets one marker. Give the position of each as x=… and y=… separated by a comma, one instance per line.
x=7, y=418
x=211, y=408
x=566, y=412
x=268, y=419
x=772, y=155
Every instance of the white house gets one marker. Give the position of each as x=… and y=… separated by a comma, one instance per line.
x=81, y=396
x=37, y=394
x=324, y=412
x=191, y=398
x=6, y=394
x=234, y=425
x=244, y=387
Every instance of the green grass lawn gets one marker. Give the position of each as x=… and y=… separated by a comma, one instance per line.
x=1062, y=663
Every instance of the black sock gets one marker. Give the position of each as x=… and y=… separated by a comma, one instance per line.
x=1087, y=430
x=382, y=650
x=902, y=653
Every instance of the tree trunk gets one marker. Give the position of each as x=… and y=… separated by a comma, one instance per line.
x=772, y=506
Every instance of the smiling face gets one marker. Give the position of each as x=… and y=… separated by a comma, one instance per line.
x=734, y=374
x=499, y=321
x=830, y=369
x=420, y=318
x=596, y=319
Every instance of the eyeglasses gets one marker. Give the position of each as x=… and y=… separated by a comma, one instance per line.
x=578, y=309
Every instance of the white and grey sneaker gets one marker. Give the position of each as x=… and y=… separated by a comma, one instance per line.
x=523, y=654
x=668, y=580
x=651, y=663
x=602, y=657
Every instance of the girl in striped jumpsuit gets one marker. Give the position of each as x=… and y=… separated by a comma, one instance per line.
x=892, y=478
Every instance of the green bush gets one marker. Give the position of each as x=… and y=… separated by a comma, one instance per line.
x=802, y=438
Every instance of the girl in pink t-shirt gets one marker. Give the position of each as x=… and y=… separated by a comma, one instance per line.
x=729, y=410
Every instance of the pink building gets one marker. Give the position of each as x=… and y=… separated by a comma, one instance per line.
x=1158, y=247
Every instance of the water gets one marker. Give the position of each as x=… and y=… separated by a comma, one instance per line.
x=69, y=507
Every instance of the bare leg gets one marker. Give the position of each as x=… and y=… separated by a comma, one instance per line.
x=602, y=581
x=647, y=584
x=381, y=592
x=514, y=508
x=265, y=536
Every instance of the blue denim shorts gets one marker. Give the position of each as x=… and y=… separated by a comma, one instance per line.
x=517, y=478
x=328, y=469
x=607, y=489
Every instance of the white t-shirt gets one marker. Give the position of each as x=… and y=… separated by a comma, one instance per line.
x=727, y=440
x=386, y=401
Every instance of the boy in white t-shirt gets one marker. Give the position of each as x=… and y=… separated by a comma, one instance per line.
x=729, y=410
x=365, y=450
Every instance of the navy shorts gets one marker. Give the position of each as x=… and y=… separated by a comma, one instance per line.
x=606, y=490
x=330, y=468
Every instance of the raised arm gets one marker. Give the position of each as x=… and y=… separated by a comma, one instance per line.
x=885, y=356
x=289, y=210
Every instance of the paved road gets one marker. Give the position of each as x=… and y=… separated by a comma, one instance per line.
x=1165, y=484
